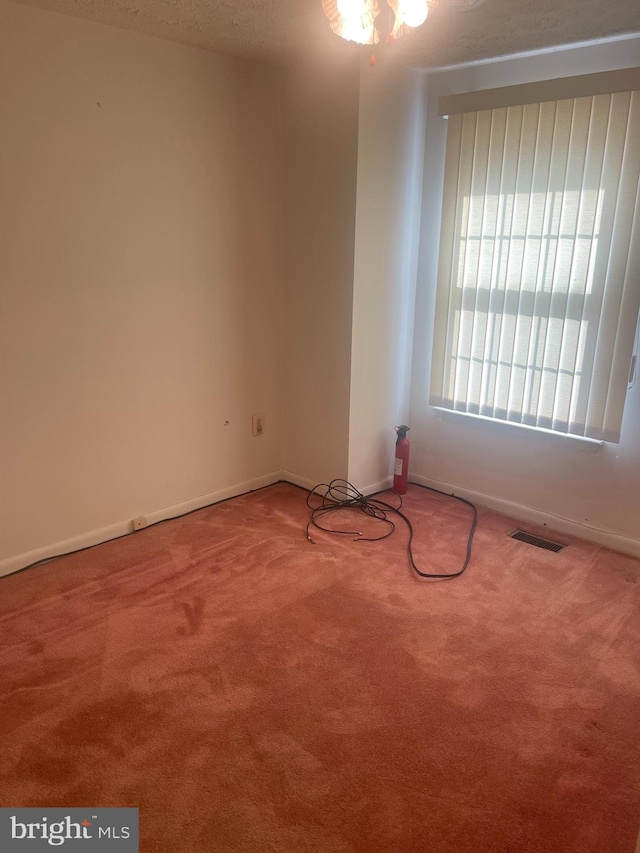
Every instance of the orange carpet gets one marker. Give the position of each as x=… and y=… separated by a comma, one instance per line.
x=249, y=691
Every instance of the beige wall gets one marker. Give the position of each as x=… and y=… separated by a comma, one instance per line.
x=140, y=276
x=390, y=146
x=519, y=471
x=186, y=239
x=320, y=147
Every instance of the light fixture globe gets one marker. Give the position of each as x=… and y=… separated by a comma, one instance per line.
x=353, y=20
x=359, y=30
x=352, y=8
x=413, y=12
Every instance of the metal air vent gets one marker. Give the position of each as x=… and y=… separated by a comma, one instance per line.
x=538, y=541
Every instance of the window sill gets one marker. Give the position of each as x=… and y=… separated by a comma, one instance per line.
x=586, y=445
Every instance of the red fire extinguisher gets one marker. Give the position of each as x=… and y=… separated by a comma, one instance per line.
x=401, y=472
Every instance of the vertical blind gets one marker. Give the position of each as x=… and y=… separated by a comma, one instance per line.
x=539, y=272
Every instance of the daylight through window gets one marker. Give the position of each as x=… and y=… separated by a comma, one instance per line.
x=539, y=271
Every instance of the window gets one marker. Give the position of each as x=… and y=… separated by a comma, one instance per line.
x=539, y=271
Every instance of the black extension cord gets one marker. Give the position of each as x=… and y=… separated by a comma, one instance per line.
x=341, y=494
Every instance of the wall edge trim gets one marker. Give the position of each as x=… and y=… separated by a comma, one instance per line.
x=521, y=512
x=123, y=528
x=380, y=486
x=296, y=480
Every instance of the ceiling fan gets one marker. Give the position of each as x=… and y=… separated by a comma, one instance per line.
x=356, y=20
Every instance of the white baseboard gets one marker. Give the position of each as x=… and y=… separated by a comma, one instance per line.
x=615, y=541
x=380, y=486
x=289, y=477
x=213, y=497
x=122, y=528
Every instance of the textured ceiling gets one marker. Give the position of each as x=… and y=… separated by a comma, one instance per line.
x=280, y=30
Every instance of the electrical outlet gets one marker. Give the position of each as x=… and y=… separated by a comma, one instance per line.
x=257, y=422
x=139, y=522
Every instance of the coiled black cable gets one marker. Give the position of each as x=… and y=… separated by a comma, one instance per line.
x=340, y=494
